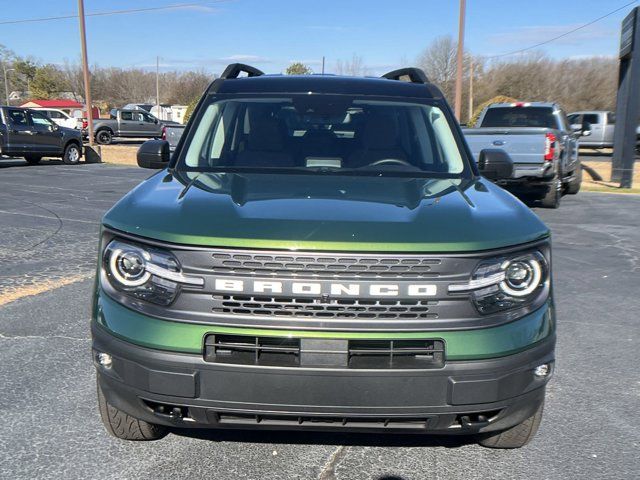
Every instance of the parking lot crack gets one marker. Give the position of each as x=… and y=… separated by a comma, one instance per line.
x=329, y=470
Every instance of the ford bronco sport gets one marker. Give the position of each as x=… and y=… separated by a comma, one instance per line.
x=321, y=252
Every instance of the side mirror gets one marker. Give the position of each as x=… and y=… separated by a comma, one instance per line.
x=495, y=164
x=154, y=154
x=586, y=129
x=576, y=127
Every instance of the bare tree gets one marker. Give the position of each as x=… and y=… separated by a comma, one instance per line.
x=438, y=61
x=354, y=67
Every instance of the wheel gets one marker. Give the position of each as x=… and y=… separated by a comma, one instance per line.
x=517, y=436
x=551, y=198
x=126, y=427
x=573, y=186
x=104, y=137
x=71, y=154
x=33, y=159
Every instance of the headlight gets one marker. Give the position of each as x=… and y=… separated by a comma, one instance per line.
x=507, y=282
x=144, y=273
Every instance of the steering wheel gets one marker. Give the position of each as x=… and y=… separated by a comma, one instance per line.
x=387, y=161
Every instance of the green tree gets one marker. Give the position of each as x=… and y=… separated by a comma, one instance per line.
x=190, y=108
x=298, y=68
x=47, y=82
x=27, y=69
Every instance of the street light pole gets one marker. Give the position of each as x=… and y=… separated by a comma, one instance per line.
x=85, y=71
x=460, y=60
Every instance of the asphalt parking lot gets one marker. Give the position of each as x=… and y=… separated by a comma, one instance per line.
x=49, y=219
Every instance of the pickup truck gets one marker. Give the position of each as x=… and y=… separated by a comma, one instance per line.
x=172, y=134
x=601, y=123
x=542, y=144
x=127, y=123
x=32, y=135
x=323, y=253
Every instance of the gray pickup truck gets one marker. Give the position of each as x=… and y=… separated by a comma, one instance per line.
x=127, y=123
x=600, y=123
x=542, y=144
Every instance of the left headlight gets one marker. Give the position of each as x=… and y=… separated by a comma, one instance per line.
x=144, y=273
x=508, y=282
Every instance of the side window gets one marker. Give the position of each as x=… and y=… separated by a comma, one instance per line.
x=591, y=118
x=611, y=118
x=53, y=114
x=574, y=119
x=148, y=118
x=126, y=115
x=40, y=120
x=18, y=118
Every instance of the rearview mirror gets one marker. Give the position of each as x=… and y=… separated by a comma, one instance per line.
x=495, y=164
x=154, y=154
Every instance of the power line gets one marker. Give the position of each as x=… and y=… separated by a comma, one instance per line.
x=522, y=50
x=111, y=12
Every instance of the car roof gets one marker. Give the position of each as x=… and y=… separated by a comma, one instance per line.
x=324, y=84
x=524, y=104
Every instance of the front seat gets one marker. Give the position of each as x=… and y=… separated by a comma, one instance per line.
x=379, y=141
x=265, y=145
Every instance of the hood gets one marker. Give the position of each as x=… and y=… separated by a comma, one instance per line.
x=325, y=212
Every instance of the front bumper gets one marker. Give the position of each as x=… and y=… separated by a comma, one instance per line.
x=184, y=390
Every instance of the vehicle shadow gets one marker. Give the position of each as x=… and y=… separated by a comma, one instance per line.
x=326, y=438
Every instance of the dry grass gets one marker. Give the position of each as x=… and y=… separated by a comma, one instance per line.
x=119, y=154
x=604, y=169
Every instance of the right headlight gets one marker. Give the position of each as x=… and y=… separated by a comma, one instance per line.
x=144, y=273
x=507, y=282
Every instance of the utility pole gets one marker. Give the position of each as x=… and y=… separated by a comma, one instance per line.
x=470, y=90
x=85, y=71
x=158, y=86
x=459, y=60
x=323, y=65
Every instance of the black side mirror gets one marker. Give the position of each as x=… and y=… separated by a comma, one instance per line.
x=154, y=154
x=495, y=164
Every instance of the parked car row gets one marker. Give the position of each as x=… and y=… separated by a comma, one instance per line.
x=32, y=134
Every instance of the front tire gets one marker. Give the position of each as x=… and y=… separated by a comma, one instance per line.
x=517, y=436
x=33, y=159
x=124, y=426
x=71, y=154
x=104, y=137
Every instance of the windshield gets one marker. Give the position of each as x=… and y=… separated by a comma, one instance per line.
x=519, y=117
x=327, y=133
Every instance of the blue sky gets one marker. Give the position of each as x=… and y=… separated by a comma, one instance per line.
x=272, y=33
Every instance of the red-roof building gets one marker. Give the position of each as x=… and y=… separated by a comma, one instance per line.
x=68, y=106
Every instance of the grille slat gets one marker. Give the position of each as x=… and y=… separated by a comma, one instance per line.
x=325, y=266
x=334, y=308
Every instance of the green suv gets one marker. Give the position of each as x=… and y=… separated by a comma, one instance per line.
x=321, y=252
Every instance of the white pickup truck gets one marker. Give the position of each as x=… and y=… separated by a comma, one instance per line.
x=541, y=143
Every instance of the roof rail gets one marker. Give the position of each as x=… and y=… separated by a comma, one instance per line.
x=416, y=75
x=235, y=69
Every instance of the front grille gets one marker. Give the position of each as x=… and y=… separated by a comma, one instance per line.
x=331, y=308
x=324, y=353
x=318, y=265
